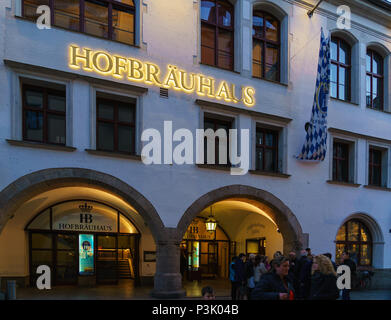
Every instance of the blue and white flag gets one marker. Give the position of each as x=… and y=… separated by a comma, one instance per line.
x=315, y=144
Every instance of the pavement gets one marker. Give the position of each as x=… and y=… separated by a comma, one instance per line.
x=126, y=290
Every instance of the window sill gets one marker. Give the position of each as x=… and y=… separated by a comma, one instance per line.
x=40, y=145
x=377, y=188
x=219, y=68
x=114, y=154
x=270, y=174
x=346, y=184
x=79, y=32
x=271, y=81
x=345, y=101
x=214, y=167
x=384, y=111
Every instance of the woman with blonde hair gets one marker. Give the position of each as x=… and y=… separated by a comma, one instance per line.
x=323, y=280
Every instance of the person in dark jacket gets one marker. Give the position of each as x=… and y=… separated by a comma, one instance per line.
x=240, y=275
x=350, y=263
x=294, y=270
x=328, y=255
x=249, y=265
x=275, y=285
x=304, y=275
x=323, y=280
x=234, y=284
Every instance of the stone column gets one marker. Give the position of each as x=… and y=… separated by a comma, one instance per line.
x=168, y=279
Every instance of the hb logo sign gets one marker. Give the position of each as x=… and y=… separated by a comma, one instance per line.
x=85, y=217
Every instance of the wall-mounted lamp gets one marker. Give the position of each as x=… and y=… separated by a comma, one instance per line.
x=311, y=12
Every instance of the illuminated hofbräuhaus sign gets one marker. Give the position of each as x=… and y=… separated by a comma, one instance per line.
x=133, y=69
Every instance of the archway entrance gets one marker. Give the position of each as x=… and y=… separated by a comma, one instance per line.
x=253, y=221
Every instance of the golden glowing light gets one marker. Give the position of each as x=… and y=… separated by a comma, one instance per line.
x=106, y=64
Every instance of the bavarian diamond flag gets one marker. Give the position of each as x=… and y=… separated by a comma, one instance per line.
x=314, y=147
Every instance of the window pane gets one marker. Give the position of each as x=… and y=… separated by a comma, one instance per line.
x=259, y=159
x=66, y=258
x=106, y=136
x=368, y=62
x=335, y=169
x=128, y=2
x=341, y=235
x=257, y=58
x=225, y=60
x=41, y=257
x=343, y=83
x=34, y=99
x=368, y=92
x=225, y=41
x=125, y=139
x=42, y=221
x=365, y=258
x=353, y=231
x=56, y=102
x=123, y=26
x=269, y=139
x=125, y=113
x=269, y=160
x=96, y=19
x=34, y=125
x=41, y=241
x=56, y=129
x=30, y=8
x=376, y=93
x=258, y=26
x=224, y=14
x=271, y=59
x=66, y=241
x=334, y=49
x=208, y=11
x=208, y=45
x=259, y=137
x=333, y=80
x=344, y=52
x=105, y=111
x=66, y=14
x=365, y=235
x=377, y=64
x=271, y=28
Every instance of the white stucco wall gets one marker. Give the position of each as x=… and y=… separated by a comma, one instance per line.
x=170, y=35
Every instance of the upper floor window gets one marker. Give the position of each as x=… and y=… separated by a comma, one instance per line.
x=221, y=147
x=266, y=46
x=217, y=33
x=341, y=162
x=110, y=19
x=44, y=114
x=266, y=150
x=340, y=69
x=374, y=80
x=115, y=125
x=375, y=167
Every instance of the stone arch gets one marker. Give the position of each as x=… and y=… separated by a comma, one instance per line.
x=41, y=181
x=376, y=233
x=284, y=218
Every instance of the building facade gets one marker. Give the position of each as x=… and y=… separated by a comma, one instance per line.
x=80, y=102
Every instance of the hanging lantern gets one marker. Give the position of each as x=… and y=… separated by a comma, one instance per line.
x=211, y=223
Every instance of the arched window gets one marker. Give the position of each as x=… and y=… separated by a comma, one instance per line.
x=355, y=238
x=374, y=80
x=266, y=46
x=217, y=33
x=340, y=69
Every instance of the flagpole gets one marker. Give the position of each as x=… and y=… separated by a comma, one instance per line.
x=311, y=12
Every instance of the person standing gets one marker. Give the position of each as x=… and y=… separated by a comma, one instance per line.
x=234, y=287
x=305, y=275
x=240, y=276
x=323, y=280
x=293, y=270
x=275, y=285
x=352, y=265
x=250, y=274
x=259, y=268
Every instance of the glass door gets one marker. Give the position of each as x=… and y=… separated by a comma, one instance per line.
x=106, y=259
x=66, y=259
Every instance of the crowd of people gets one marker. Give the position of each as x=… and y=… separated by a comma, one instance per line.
x=309, y=277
